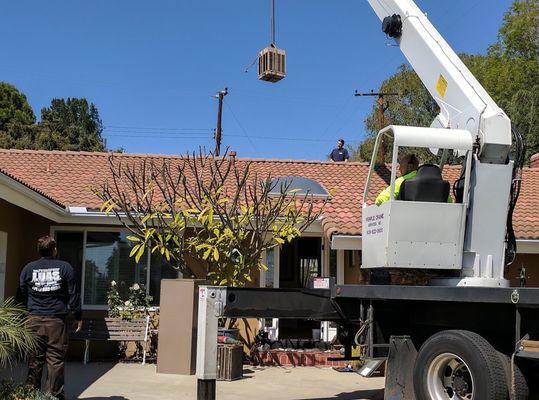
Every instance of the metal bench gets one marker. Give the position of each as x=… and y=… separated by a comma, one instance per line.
x=113, y=329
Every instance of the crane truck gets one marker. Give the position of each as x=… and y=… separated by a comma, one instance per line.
x=466, y=335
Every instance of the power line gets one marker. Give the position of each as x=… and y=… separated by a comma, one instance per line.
x=291, y=139
x=157, y=129
x=241, y=127
x=158, y=136
x=173, y=136
x=338, y=115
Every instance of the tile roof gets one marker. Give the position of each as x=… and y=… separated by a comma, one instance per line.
x=67, y=178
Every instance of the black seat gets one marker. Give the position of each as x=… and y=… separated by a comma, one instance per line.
x=428, y=185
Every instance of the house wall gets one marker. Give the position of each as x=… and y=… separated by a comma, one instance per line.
x=351, y=267
x=352, y=263
x=23, y=229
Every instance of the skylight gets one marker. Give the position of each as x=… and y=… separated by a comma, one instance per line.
x=297, y=185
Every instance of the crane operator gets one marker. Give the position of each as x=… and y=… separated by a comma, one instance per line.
x=408, y=165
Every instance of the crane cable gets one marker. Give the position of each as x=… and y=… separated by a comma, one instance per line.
x=272, y=23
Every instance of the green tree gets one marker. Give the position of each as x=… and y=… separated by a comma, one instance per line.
x=414, y=106
x=17, y=129
x=71, y=124
x=509, y=72
x=14, y=108
x=519, y=35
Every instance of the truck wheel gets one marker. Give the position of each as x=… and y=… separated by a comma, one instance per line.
x=521, y=387
x=458, y=364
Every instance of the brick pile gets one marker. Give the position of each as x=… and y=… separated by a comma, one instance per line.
x=297, y=358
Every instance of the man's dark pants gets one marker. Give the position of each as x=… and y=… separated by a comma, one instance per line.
x=52, y=348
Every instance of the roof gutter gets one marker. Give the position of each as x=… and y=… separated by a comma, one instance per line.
x=23, y=196
x=527, y=246
x=346, y=242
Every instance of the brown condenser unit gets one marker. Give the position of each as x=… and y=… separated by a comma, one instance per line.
x=271, y=64
x=229, y=362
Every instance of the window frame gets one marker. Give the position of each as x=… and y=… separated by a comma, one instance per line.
x=84, y=230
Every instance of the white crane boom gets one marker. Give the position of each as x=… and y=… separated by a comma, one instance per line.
x=464, y=103
x=483, y=235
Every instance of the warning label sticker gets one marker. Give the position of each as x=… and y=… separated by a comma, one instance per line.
x=441, y=86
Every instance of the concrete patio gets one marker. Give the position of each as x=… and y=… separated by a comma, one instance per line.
x=108, y=381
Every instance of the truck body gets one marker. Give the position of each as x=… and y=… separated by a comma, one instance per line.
x=466, y=336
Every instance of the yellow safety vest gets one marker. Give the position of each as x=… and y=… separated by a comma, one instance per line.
x=385, y=194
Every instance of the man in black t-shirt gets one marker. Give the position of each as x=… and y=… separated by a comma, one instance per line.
x=49, y=289
x=339, y=153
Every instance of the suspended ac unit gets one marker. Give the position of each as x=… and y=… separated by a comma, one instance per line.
x=271, y=64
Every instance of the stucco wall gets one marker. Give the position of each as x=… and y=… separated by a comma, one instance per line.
x=352, y=263
x=23, y=229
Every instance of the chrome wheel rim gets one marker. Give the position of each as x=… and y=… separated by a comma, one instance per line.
x=449, y=378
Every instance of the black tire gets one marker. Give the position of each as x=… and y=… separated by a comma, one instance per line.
x=476, y=356
x=521, y=386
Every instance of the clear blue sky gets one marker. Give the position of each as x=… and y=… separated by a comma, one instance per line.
x=152, y=67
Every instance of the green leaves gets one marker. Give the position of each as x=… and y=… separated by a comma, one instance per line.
x=16, y=339
x=70, y=124
x=107, y=206
x=138, y=251
x=509, y=72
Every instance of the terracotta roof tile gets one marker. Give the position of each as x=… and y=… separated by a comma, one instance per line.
x=67, y=178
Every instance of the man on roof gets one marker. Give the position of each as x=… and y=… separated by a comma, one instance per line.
x=339, y=153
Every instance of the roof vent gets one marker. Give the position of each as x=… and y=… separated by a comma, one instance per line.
x=77, y=210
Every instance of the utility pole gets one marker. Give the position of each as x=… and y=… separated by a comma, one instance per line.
x=218, y=130
x=382, y=107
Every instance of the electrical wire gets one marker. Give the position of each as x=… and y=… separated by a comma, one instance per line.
x=157, y=129
x=151, y=135
x=516, y=184
x=241, y=127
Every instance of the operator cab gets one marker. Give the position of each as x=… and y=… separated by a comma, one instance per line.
x=420, y=229
x=428, y=185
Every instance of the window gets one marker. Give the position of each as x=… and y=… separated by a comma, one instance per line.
x=159, y=269
x=70, y=249
x=270, y=254
x=298, y=185
x=107, y=259
x=101, y=256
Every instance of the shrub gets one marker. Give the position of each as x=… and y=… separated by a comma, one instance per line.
x=16, y=340
x=9, y=390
